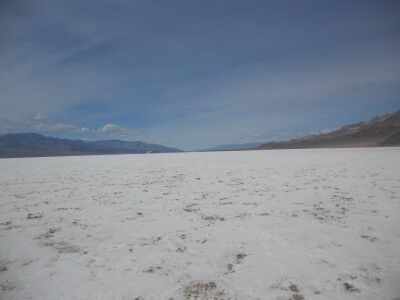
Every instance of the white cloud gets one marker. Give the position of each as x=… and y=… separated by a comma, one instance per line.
x=40, y=117
x=111, y=128
x=120, y=132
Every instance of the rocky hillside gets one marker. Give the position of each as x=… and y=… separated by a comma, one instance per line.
x=379, y=131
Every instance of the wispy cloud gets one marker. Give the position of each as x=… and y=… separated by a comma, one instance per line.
x=42, y=124
x=39, y=123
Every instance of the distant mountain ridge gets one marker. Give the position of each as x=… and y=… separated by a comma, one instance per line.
x=33, y=145
x=379, y=131
x=233, y=147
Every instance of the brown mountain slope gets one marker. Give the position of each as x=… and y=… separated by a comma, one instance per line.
x=379, y=131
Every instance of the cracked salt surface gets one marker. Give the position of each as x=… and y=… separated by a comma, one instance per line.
x=283, y=224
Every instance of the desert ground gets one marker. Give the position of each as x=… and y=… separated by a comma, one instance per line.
x=280, y=224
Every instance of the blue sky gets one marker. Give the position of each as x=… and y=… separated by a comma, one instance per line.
x=194, y=74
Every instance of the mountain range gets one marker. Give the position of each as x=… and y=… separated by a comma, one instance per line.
x=234, y=147
x=32, y=145
x=379, y=131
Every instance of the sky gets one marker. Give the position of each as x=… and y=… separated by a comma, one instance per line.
x=195, y=74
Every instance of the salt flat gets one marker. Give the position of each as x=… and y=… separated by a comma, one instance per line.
x=285, y=224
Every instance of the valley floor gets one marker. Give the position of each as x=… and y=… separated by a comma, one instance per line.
x=283, y=224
